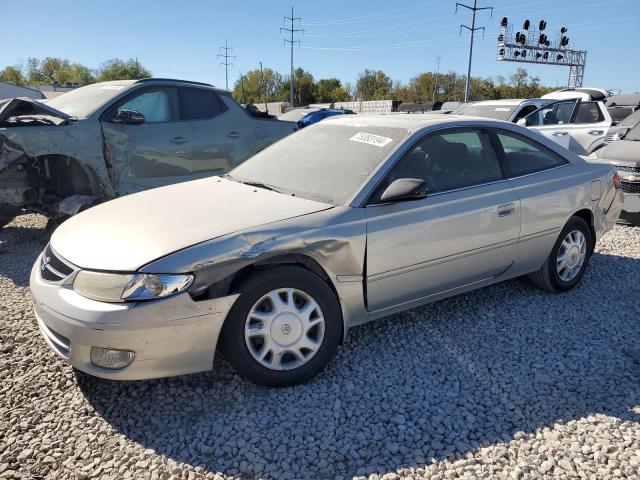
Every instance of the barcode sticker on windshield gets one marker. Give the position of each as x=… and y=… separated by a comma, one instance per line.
x=112, y=87
x=370, y=139
x=503, y=109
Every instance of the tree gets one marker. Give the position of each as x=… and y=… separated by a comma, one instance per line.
x=304, y=88
x=250, y=88
x=330, y=90
x=118, y=69
x=13, y=75
x=374, y=85
x=52, y=70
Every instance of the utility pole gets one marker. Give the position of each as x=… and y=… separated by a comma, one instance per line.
x=473, y=30
x=264, y=89
x=291, y=30
x=225, y=61
x=242, y=88
x=435, y=88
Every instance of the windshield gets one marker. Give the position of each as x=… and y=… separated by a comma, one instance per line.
x=620, y=113
x=499, y=112
x=83, y=101
x=633, y=134
x=631, y=120
x=324, y=162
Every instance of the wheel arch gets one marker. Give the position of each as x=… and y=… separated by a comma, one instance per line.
x=587, y=215
x=228, y=285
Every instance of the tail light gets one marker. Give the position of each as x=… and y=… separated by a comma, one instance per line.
x=616, y=181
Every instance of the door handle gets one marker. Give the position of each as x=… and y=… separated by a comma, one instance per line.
x=596, y=132
x=506, y=209
x=233, y=134
x=179, y=140
x=559, y=134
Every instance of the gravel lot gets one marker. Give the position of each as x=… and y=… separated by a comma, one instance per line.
x=505, y=382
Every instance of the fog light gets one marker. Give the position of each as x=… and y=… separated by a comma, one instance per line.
x=111, y=358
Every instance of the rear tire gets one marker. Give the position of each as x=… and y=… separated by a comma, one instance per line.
x=568, y=259
x=284, y=327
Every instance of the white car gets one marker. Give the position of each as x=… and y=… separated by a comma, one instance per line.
x=580, y=126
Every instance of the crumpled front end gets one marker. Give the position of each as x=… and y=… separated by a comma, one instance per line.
x=50, y=169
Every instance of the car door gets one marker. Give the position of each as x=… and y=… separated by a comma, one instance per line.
x=465, y=230
x=532, y=170
x=153, y=153
x=217, y=134
x=589, y=127
x=554, y=121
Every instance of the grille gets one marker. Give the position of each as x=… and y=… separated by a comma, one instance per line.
x=622, y=168
x=52, y=268
x=628, y=187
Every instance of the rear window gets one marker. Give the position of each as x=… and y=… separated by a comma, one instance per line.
x=525, y=156
x=199, y=104
x=589, y=112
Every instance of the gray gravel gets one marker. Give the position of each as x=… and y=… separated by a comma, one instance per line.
x=506, y=382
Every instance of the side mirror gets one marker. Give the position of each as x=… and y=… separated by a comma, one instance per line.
x=128, y=117
x=405, y=189
x=522, y=122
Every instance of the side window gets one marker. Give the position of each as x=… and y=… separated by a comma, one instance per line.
x=524, y=156
x=558, y=113
x=199, y=104
x=589, y=112
x=154, y=104
x=447, y=161
x=524, y=112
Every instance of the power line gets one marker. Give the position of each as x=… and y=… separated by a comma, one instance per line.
x=291, y=30
x=374, y=16
x=225, y=55
x=473, y=30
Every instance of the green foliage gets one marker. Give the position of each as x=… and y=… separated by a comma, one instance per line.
x=256, y=87
x=118, y=69
x=330, y=90
x=57, y=70
x=13, y=75
x=374, y=85
x=304, y=88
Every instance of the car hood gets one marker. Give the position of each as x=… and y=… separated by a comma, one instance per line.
x=15, y=107
x=621, y=152
x=129, y=232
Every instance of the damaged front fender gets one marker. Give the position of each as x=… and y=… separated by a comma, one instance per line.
x=333, y=239
x=40, y=165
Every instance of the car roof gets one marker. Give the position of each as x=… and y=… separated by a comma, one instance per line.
x=503, y=101
x=170, y=81
x=413, y=121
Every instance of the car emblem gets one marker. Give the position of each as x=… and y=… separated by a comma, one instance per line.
x=45, y=262
x=286, y=329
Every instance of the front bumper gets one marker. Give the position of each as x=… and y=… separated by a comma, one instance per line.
x=171, y=336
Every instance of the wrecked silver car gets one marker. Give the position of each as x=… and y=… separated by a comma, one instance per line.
x=110, y=139
x=346, y=221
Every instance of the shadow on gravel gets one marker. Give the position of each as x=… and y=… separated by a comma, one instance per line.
x=20, y=243
x=436, y=382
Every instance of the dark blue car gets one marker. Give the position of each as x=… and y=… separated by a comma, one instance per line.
x=308, y=116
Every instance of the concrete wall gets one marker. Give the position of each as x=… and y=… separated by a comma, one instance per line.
x=8, y=90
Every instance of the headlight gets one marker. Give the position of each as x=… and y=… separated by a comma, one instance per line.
x=118, y=287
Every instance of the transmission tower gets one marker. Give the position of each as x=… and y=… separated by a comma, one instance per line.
x=473, y=29
x=291, y=30
x=224, y=55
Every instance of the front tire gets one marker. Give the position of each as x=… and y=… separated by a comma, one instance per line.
x=568, y=259
x=284, y=328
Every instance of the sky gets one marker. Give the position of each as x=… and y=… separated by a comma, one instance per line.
x=181, y=39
